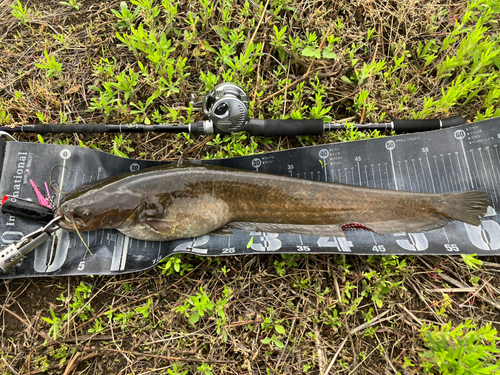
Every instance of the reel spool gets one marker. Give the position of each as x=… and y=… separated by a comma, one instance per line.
x=227, y=107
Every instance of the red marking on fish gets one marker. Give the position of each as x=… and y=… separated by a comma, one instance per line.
x=354, y=226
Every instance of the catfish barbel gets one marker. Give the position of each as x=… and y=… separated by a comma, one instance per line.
x=170, y=202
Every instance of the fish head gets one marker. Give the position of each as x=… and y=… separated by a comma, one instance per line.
x=95, y=210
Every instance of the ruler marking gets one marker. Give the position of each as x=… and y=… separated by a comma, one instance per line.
x=453, y=173
x=430, y=173
x=159, y=251
x=373, y=175
x=486, y=174
x=61, y=183
x=394, y=171
x=463, y=188
x=492, y=184
x=447, y=239
x=491, y=163
x=423, y=174
x=439, y=174
x=467, y=164
x=498, y=156
x=477, y=170
x=125, y=252
x=401, y=174
x=408, y=172
x=446, y=174
x=416, y=175
x=387, y=175
x=359, y=174
x=380, y=174
x=484, y=178
x=494, y=174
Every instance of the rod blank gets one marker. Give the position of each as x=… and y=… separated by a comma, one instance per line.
x=97, y=128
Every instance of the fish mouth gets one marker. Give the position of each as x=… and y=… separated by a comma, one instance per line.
x=67, y=224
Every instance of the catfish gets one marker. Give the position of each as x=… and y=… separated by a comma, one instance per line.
x=172, y=202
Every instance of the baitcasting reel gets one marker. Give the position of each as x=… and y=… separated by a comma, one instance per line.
x=226, y=106
x=226, y=110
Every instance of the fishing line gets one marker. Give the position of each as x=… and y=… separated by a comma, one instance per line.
x=51, y=181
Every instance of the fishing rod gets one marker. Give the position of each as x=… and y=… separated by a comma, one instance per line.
x=226, y=110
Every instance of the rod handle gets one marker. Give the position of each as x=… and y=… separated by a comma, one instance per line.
x=277, y=128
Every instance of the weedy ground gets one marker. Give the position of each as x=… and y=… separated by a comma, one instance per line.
x=138, y=61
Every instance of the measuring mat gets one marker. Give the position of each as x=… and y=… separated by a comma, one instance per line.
x=451, y=160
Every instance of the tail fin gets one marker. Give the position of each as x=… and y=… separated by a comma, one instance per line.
x=467, y=207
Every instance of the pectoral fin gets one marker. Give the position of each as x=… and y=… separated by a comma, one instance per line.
x=161, y=226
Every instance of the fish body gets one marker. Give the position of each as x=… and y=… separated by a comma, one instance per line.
x=170, y=202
